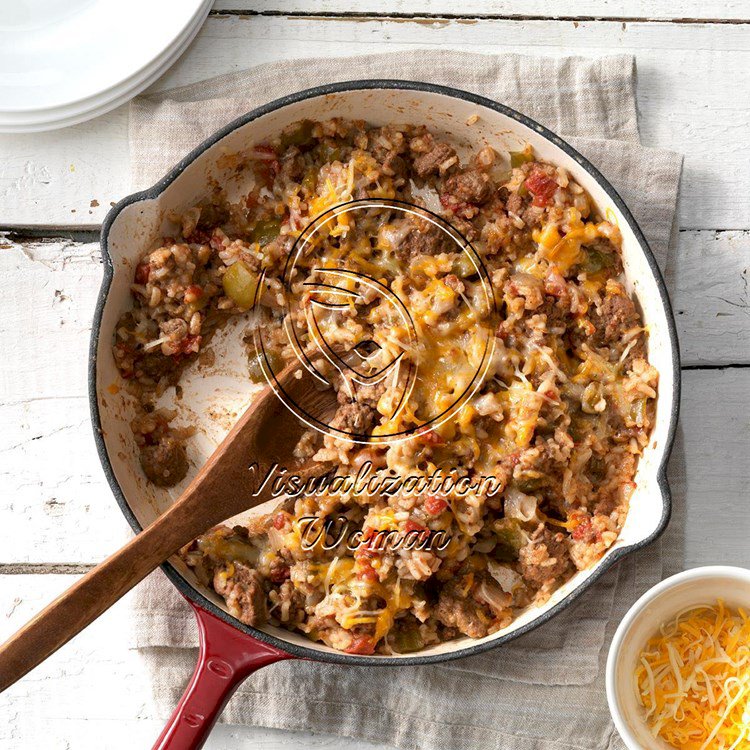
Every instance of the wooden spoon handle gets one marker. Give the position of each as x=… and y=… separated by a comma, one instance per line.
x=223, y=487
x=96, y=592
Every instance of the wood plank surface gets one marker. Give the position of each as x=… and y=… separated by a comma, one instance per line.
x=60, y=508
x=69, y=177
x=96, y=693
x=685, y=11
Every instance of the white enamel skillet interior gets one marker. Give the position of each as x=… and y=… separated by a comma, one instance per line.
x=213, y=397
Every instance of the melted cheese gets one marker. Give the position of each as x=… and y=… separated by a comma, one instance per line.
x=524, y=406
x=341, y=582
x=694, y=680
x=565, y=251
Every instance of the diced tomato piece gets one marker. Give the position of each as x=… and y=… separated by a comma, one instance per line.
x=190, y=344
x=142, y=272
x=580, y=531
x=451, y=203
x=265, y=148
x=362, y=644
x=542, y=187
x=423, y=532
x=194, y=291
x=432, y=438
x=368, y=547
x=279, y=520
x=435, y=505
x=366, y=572
x=586, y=532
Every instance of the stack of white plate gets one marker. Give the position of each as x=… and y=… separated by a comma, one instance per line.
x=66, y=61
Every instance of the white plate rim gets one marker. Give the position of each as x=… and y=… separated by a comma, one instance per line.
x=72, y=114
x=198, y=17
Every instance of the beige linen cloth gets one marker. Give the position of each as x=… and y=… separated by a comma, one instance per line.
x=546, y=689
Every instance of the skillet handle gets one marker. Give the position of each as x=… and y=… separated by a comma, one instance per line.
x=226, y=657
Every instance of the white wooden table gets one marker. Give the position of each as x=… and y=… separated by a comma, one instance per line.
x=57, y=515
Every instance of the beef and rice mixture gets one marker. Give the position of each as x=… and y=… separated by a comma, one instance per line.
x=560, y=420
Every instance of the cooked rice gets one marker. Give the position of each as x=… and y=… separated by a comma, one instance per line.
x=562, y=415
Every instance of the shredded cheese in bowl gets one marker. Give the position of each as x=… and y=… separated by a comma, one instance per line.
x=693, y=679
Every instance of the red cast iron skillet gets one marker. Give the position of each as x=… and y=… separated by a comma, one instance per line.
x=230, y=650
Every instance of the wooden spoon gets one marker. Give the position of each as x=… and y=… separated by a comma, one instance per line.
x=266, y=434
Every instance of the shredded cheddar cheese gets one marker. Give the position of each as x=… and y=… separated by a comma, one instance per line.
x=693, y=679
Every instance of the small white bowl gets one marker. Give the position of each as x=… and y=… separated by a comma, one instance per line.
x=658, y=605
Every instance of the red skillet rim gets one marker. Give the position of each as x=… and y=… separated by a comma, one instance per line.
x=172, y=573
